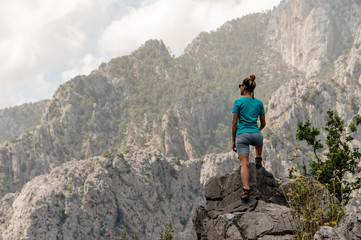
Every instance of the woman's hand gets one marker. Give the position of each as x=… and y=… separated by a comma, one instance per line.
x=234, y=146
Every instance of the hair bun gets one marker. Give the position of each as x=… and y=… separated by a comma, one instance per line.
x=252, y=77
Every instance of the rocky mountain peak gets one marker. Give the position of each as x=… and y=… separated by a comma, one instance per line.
x=197, y=44
x=154, y=44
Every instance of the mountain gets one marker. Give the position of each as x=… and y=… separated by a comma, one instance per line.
x=148, y=100
x=16, y=120
x=306, y=56
x=105, y=197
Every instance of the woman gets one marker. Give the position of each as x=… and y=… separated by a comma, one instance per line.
x=246, y=111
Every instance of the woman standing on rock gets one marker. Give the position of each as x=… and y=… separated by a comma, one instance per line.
x=245, y=130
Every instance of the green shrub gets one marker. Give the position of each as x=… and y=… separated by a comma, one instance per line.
x=341, y=158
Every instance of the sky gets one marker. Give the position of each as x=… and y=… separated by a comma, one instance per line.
x=44, y=43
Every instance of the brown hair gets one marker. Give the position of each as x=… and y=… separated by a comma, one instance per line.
x=250, y=84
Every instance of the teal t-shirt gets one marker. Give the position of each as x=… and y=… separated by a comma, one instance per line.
x=248, y=110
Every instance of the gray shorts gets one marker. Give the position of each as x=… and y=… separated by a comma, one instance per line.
x=243, y=141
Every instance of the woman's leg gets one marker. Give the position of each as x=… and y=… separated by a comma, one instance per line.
x=243, y=158
x=259, y=149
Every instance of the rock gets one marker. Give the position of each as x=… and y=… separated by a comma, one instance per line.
x=182, y=129
x=226, y=216
x=223, y=193
x=266, y=215
x=329, y=233
x=350, y=225
x=266, y=219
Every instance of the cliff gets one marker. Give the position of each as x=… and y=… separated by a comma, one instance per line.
x=310, y=34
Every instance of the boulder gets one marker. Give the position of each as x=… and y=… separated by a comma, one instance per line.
x=226, y=216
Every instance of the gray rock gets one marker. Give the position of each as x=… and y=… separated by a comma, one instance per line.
x=283, y=237
x=266, y=219
x=329, y=233
x=223, y=193
x=350, y=225
x=226, y=216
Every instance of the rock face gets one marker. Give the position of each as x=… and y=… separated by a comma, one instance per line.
x=309, y=33
x=300, y=100
x=347, y=66
x=226, y=216
x=265, y=216
x=102, y=197
x=183, y=129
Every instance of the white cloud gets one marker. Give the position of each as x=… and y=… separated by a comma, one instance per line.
x=44, y=38
x=46, y=42
x=176, y=22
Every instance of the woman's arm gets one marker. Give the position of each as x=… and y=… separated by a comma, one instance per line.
x=234, y=131
x=262, y=117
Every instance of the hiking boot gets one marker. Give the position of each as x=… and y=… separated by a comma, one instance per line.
x=245, y=194
x=258, y=162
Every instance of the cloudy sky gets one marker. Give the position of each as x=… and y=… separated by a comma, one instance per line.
x=44, y=43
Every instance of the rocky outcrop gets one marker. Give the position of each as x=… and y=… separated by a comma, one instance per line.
x=102, y=197
x=226, y=216
x=266, y=215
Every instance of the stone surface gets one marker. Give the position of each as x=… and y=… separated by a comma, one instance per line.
x=264, y=216
x=329, y=233
x=226, y=216
x=350, y=226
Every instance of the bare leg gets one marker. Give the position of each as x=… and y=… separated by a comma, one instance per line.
x=243, y=158
x=259, y=149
